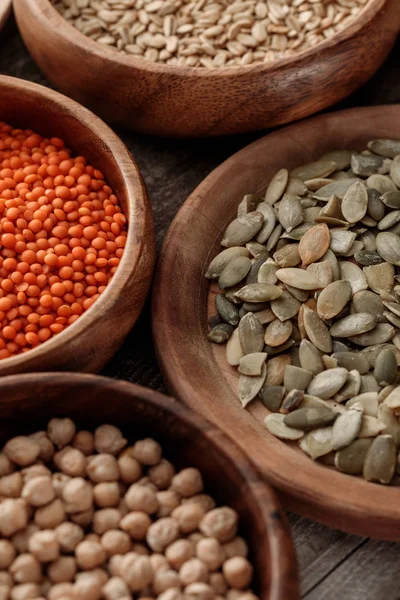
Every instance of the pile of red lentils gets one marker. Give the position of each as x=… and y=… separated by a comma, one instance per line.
x=62, y=235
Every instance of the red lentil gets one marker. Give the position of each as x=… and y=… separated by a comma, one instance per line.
x=62, y=235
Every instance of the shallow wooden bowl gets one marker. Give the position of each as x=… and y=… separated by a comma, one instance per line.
x=5, y=11
x=89, y=343
x=27, y=403
x=197, y=371
x=185, y=101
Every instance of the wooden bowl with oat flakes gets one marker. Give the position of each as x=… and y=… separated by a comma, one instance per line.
x=164, y=99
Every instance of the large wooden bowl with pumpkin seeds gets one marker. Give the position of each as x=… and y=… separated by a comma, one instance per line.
x=183, y=301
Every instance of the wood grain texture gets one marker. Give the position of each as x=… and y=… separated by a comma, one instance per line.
x=183, y=101
x=197, y=371
x=5, y=11
x=27, y=402
x=90, y=342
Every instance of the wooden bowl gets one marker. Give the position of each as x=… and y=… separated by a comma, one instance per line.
x=197, y=371
x=89, y=343
x=5, y=11
x=185, y=101
x=29, y=401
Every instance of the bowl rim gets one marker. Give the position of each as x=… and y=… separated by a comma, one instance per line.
x=136, y=196
x=275, y=528
x=44, y=9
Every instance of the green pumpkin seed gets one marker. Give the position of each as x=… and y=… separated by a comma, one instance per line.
x=380, y=461
x=383, y=332
x=277, y=186
x=288, y=256
x=368, y=384
x=319, y=168
x=342, y=158
x=326, y=384
x=234, y=350
x=376, y=208
x=316, y=330
x=300, y=295
x=368, y=257
x=258, y=292
x=351, y=460
x=265, y=316
x=227, y=310
x=369, y=402
x=272, y=396
x=234, y=272
x=382, y=183
x=365, y=165
x=337, y=188
x=350, y=388
x=385, y=371
x=274, y=237
x=310, y=357
x=333, y=299
x=269, y=222
x=395, y=171
x=308, y=419
x=220, y=333
x=242, y=229
x=267, y=273
x=353, y=325
x=346, y=428
x=252, y=364
x=290, y=212
x=391, y=199
x=218, y=263
x=298, y=278
x=251, y=334
x=248, y=204
x=285, y=307
x=291, y=401
x=249, y=387
x=296, y=378
x=352, y=360
x=355, y=202
x=276, y=425
x=257, y=250
x=387, y=148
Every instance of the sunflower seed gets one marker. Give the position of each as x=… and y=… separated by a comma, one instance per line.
x=346, y=427
x=350, y=388
x=365, y=165
x=316, y=330
x=318, y=443
x=296, y=378
x=234, y=272
x=387, y=148
x=272, y=396
x=337, y=188
x=385, y=371
x=269, y=222
x=310, y=357
x=395, y=171
x=333, y=299
x=352, y=360
x=275, y=370
x=308, y=419
x=291, y=401
x=285, y=307
x=319, y=168
x=258, y=292
x=288, y=256
x=290, y=212
x=234, y=350
x=355, y=202
x=227, y=310
x=369, y=402
x=298, y=278
x=371, y=427
x=276, y=425
x=248, y=204
x=242, y=229
x=351, y=460
x=249, y=387
x=277, y=186
x=278, y=332
x=354, y=275
x=220, y=333
x=380, y=461
x=251, y=334
x=382, y=183
x=326, y=384
x=218, y=263
x=353, y=325
x=252, y=364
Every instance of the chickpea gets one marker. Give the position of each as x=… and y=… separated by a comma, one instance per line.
x=102, y=467
x=122, y=507
x=193, y=570
x=147, y=452
x=68, y=536
x=115, y=589
x=218, y=583
x=129, y=468
x=22, y=450
x=26, y=569
x=36, y=470
x=89, y=554
x=115, y=541
x=60, y=480
x=84, y=441
x=179, y=552
x=61, y=590
x=158, y=562
x=233, y=594
x=83, y=518
x=147, y=483
x=6, y=579
x=62, y=570
x=13, y=516
x=61, y=431
x=203, y=500
x=6, y=466
x=238, y=572
x=140, y=549
x=211, y=553
x=38, y=491
x=199, y=591
x=195, y=537
x=11, y=485
x=162, y=533
x=77, y=495
x=236, y=547
x=164, y=580
x=136, y=524
x=45, y=587
x=4, y=592
x=171, y=594
x=24, y=591
x=247, y=595
x=187, y=482
x=7, y=554
x=188, y=517
x=71, y=461
x=20, y=540
x=106, y=519
x=220, y=523
x=88, y=585
x=140, y=498
x=109, y=439
x=106, y=494
x=161, y=475
x=44, y=545
x=136, y=571
x=114, y=565
x=46, y=445
x=168, y=500
x=48, y=517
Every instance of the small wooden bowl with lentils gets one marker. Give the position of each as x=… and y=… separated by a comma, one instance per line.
x=205, y=68
x=110, y=490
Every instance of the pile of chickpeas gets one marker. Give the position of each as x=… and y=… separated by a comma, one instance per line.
x=85, y=516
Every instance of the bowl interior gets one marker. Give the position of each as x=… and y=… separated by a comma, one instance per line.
x=30, y=401
x=197, y=371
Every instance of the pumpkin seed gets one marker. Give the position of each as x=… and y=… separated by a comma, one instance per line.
x=296, y=233
x=288, y=256
x=354, y=275
x=387, y=148
x=234, y=350
x=376, y=208
x=394, y=307
x=318, y=443
x=333, y=299
x=355, y=202
x=298, y=278
x=248, y=204
x=369, y=402
x=368, y=384
x=296, y=187
x=368, y=257
x=326, y=384
x=395, y=171
x=389, y=220
x=264, y=316
x=277, y=186
x=342, y=158
x=310, y=357
x=314, y=244
x=257, y=250
x=249, y=387
x=276, y=425
x=300, y=295
x=365, y=165
x=331, y=258
x=275, y=370
x=380, y=461
x=296, y=378
x=214, y=320
x=383, y=332
x=267, y=273
x=346, y=427
x=352, y=360
x=315, y=184
x=291, y=401
x=382, y=183
x=285, y=307
x=274, y=237
x=351, y=460
x=371, y=427
x=307, y=419
x=392, y=423
x=251, y=334
x=220, y=333
x=350, y=388
x=388, y=246
x=384, y=393
x=278, y=332
x=258, y=292
x=393, y=400
x=337, y=188
x=272, y=396
x=385, y=371
x=316, y=330
x=218, y=263
x=290, y=212
x=234, y=272
x=227, y=310
x=341, y=240
x=391, y=199
x=242, y=229
x=322, y=271
x=252, y=364
x=269, y=222
x=319, y=168
x=353, y=325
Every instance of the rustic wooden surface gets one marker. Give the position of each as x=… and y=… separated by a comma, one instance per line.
x=333, y=565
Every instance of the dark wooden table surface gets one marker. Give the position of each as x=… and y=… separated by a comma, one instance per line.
x=333, y=565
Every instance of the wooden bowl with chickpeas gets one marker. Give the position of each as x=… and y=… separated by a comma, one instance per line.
x=110, y=489
x=63, y=209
